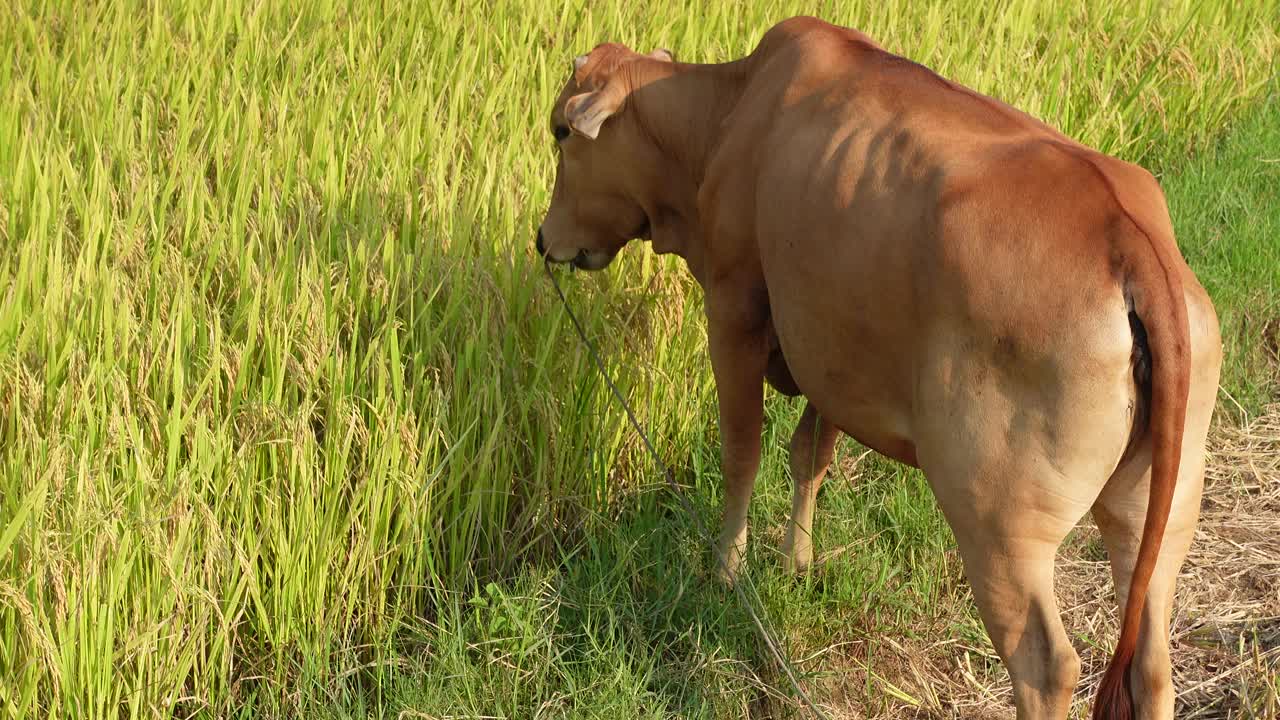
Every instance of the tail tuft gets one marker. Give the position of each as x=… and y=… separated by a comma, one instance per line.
x=1115, y=699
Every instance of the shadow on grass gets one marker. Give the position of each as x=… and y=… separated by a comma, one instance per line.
x=648, y=575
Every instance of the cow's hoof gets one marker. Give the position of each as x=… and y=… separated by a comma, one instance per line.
x=796, y=556
x=797, y=563
x=727, y=577
x=728, y=563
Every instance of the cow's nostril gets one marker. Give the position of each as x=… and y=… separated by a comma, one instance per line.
x=542, y=249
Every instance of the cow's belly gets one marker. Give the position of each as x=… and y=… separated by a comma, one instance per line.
x=845, y=223
x=849, y=360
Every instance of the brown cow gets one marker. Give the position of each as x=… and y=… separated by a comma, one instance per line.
x=944, y=278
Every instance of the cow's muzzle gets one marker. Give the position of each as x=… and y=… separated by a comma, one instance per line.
x=583, y=259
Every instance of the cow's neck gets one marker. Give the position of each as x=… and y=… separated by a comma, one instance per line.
x=681, y=108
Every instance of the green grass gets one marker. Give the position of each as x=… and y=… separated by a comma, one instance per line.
x=1226, y=210
x=282, y=388
x=631, y=610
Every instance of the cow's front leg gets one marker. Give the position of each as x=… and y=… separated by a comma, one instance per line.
x=738, y=343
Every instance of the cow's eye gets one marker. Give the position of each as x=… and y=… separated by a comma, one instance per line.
x=561, y=132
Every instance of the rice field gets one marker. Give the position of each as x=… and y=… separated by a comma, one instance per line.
x=291, y=422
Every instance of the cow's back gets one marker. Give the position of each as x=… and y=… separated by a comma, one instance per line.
x=911, y=214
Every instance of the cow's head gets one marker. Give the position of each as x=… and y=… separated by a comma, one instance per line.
x=604, y=161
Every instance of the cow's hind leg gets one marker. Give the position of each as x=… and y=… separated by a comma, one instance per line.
x=1015, y=466
x=812, y=446
x=1121, y=511
x=1008, y=541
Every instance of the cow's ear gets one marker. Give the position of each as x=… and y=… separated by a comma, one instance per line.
x=662, y=54
x=586, y=112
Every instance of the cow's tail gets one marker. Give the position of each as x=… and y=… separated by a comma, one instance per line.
x=1153, y=287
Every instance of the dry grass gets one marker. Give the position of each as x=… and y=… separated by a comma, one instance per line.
x=1226, y=626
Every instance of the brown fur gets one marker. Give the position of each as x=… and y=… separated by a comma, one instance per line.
x=943, y=277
